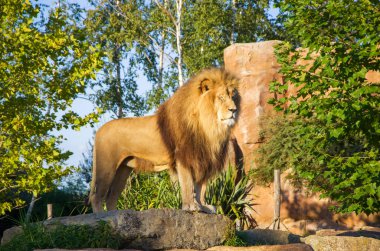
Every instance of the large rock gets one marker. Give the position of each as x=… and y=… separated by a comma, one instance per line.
x=158, y=228
x=332, y=243
x=256, y=66
x=268, y=237
x=9, y=233
x=301, y=212
x=287, y=247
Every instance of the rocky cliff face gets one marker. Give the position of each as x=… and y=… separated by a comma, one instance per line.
x=256, y=65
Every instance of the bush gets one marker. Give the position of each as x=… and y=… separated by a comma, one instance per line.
x=342, y=169
x=341, y=136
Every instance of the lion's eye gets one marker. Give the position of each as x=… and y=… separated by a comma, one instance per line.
x=221, y=98
x=234, y=93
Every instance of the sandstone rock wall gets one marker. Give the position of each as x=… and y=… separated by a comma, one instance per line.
x=256, y=65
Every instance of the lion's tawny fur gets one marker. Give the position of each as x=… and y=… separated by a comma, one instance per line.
x=189, y=134
x=189, y=129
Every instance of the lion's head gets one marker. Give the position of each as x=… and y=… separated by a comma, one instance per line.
x=195, y=122
x=218, y=90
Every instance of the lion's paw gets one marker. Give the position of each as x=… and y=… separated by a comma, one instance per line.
x=192, y=208
x=210, y=209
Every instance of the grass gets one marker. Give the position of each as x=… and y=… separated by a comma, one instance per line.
x=35, y=235
x=235, y=241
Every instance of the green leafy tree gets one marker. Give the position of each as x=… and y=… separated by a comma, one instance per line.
x=211, y=26
x=338, y=140
x=45, y=63
x=107, y=27
x=174, y=39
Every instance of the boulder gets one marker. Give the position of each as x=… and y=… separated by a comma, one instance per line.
x=288, y=247
x=364, y=232
x=268, y=237
x=256, y=66
x=328, y=243
x=157, y=228
x=86, y=249
x=301, y=211
x=9, y=233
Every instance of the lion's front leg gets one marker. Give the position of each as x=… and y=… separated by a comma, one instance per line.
x=200, y=197
x=186, y=183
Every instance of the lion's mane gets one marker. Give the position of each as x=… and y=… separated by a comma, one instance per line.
x=190, y=129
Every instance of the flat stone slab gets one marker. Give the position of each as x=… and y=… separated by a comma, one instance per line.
x=332, y=243
x=267, y=237
x=287, y=247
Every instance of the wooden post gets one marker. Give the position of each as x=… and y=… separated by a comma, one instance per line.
x=49, y=211
x=277, y=199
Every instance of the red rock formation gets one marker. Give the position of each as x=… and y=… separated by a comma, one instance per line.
x=256, y=65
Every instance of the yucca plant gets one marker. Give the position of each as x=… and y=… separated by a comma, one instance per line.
x=229, y=193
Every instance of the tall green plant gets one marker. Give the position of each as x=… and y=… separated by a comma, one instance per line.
x=144, y=191
x=342, y=109
x=229, y=193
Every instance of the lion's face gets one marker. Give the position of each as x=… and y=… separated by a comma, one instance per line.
x=221, y=95
x=226, y=105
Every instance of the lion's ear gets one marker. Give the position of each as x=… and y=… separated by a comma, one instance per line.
x=205, y=85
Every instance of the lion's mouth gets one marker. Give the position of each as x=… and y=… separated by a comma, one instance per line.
x=229, y=121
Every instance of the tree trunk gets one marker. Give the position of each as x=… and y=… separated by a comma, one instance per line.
x=178, y=29
x=30, y=209
x=119, y=91
x=232, y=35
x=161, y=63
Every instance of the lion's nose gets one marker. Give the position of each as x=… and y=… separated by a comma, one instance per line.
x=233, y=110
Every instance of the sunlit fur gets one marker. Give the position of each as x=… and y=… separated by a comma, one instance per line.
x=190, y=132
x=192, y=122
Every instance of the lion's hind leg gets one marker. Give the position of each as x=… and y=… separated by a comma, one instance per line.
x=117, y=185
x=99, y=191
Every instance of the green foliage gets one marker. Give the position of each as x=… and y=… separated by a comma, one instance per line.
x=45, y=62
x=65, y=203
x=36, y=236
x=116, y=86
x=235, y=241
x=228, y=192
x=211, y=26
x=338, y=124
x=145, y=33
x=145, y=191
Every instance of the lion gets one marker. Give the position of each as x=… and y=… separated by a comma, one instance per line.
x=188, y=135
